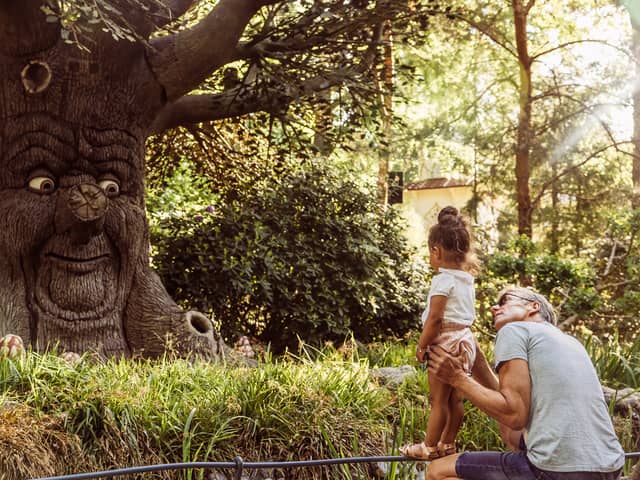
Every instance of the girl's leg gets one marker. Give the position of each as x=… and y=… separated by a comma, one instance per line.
x=454, y=419
x=439, y=394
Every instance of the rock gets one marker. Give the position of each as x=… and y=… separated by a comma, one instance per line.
x=392, y=376
x=71, y=358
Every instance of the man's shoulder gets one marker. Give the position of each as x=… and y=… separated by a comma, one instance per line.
x=514, y=328
x=520, y=332
x=528, y=326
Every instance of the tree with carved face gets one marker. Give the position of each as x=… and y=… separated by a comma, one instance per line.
x=74, y=118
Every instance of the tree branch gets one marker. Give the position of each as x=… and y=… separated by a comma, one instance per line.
x=183, y=60
x=574, y=42
x=566, y=171
x=612, y=256
x=159, y=14
x=251, y=97
x=529, y=6
x=239, y=101
x=489, y=31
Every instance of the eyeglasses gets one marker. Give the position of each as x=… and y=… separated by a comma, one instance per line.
x=504, y=298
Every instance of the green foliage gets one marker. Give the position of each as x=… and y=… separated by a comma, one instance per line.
x=618, y=260
x=569, y=284
x=617, y=361
x=304, y=253
x=598, y=290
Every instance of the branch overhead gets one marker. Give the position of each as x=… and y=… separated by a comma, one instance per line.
x=182, y=61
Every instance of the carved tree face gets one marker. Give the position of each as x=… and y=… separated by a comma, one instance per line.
x=74, y=267
x=73, y=196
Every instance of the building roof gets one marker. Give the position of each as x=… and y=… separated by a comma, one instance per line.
x=439, y=182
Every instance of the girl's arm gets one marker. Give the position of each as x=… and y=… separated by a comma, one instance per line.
x=432, y=324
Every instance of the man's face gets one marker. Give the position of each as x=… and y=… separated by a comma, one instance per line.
x=511, y=308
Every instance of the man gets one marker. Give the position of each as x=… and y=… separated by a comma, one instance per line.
x=547, y=399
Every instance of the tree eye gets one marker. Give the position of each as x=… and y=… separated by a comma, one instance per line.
x=40, y=184
x=110, y=187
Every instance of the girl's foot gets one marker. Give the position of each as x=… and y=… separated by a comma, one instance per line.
x=420, y=451
x=447, y=449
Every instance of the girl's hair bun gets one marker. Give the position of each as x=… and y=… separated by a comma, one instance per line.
x=448, y=214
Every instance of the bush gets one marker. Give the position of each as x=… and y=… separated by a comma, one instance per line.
x=304, y=254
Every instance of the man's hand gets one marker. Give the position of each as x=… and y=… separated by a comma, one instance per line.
x=444, y=366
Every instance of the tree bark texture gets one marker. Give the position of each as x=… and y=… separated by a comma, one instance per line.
x=524, y=132
x=385, y=89
x=635, y=174
x=73, y=124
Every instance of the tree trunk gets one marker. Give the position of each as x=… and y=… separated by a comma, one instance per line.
x=555, y=216
x=385, y=88
x=322, y=116
x=580, y=208
x=524, y=133
x=635, y=174
x=74, y=250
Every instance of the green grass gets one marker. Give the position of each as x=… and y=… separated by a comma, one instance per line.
x=134, y=412
x=617, y=361
x=57, y=418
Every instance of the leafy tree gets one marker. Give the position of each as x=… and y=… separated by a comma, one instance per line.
x=86, y=83
x=298, y=252
x=471, y=121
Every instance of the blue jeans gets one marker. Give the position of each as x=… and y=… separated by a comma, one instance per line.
x=515, y=466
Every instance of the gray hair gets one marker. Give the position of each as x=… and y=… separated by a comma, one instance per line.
x=546, y=309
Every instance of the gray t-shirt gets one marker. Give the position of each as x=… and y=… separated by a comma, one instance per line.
x=569, y=428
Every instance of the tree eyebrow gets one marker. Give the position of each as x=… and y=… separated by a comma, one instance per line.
x=30, y=151
x=112, y=145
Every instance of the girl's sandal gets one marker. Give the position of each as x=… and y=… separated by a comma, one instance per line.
x=420, y=451
x=448, y=449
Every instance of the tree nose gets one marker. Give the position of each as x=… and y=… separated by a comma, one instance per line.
x=80, y=211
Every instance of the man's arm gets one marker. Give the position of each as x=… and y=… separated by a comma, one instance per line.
x=509, y=404
x=484, y=375
x=510, y=437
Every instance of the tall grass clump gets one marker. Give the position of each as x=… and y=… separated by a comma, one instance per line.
x=616, y=361
x=59, y=418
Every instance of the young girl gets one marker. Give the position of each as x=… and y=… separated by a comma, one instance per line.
x=446, y=320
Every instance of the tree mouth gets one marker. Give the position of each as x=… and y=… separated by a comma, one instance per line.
x=77, y=288
x=78, y=265
x=64, y=258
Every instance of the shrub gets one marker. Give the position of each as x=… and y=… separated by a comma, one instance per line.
x=302, y=254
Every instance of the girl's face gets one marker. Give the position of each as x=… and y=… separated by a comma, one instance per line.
x=435, y=256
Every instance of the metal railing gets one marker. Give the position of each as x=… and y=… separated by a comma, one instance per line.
x=240, y=465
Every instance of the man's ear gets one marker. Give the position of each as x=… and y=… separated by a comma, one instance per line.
x=535, y=307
